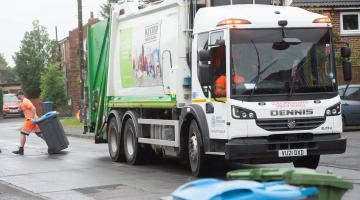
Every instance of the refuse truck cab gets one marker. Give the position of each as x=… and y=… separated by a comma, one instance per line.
x=252, y=83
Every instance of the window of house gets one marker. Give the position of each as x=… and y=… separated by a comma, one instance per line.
x=349, y=22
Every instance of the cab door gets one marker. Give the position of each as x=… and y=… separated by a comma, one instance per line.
x=216, y=105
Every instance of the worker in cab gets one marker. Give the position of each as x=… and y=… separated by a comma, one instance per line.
x=219, y=65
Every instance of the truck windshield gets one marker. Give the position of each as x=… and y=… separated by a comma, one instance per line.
x=262, y=64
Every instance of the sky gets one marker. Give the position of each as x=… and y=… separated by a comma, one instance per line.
x=16, y=17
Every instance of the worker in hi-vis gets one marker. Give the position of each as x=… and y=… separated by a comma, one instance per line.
x=30, y=113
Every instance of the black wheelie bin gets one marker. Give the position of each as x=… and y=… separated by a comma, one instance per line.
x=53, y=132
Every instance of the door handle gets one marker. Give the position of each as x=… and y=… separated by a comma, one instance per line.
x=209, y=108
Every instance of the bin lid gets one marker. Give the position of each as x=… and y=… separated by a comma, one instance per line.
x=296, y=176
x=211, y=189
x=46, y=116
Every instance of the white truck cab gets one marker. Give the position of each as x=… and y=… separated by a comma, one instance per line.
x=281, y=99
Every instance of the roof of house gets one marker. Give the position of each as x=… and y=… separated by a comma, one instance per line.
x=326, y=3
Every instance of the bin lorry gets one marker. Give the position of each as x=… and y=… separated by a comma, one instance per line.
x=153, y=76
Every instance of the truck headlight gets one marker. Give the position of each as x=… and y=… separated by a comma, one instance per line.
x=333, y=110
x=242, y=113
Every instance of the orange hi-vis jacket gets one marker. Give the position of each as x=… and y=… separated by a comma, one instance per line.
x=220, y=86
x=29, y=113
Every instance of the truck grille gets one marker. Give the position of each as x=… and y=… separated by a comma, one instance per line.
x=290, y=124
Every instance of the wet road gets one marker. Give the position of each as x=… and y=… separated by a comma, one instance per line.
x=85, y=171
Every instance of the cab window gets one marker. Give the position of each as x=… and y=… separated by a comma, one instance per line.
x=203, y=42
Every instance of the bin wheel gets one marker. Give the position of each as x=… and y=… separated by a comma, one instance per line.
x=197, y=158
x=132, y=149
x=51, y=151
x=114, y=142
x=310, y=162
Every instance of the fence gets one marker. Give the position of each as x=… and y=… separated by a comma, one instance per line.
x=355, y=75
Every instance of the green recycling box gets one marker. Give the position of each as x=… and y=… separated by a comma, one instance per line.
x=331, y=187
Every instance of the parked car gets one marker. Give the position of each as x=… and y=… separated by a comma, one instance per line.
x=11, y=106
x=350, y=104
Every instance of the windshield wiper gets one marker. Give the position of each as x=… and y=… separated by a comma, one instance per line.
x=258, y=68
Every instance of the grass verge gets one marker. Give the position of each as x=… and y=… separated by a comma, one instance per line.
x=72, y=122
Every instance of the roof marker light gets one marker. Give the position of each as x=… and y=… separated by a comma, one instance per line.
x=322, y=20
x=233, y=22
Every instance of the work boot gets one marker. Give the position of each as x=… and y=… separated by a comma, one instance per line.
x=20, y=151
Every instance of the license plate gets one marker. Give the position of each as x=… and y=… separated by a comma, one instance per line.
x=13, y=111
x=292, y=152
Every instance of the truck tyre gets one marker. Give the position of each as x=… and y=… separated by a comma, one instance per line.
x=310, y=162
x=114, y=141
x=132, y=148
x=197, y=158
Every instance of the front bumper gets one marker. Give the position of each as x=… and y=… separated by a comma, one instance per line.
x=266, y=147
x=13, y=113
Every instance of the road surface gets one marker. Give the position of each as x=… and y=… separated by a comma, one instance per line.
x=85, y=171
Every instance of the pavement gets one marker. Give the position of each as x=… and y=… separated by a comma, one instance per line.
x=84, y=171
x=78, y=132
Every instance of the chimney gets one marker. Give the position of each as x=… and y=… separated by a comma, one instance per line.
x=92, y=20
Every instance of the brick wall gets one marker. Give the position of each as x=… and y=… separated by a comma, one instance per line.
x=71, y=63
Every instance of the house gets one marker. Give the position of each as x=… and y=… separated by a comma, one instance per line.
x=10, y=87
x=70, y=63
x=345, y=17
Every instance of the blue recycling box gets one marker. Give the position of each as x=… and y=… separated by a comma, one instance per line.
x=214, y=189
x=53, y=132
x=47, y=106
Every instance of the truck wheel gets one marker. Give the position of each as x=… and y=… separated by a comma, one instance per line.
x=310, y=162
x=197, y=158
x=114, y=141
x=132, y=149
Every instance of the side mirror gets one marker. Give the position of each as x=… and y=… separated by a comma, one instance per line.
x=280, y=46
x=292, y=41
x=345, y=52
x=204, y=55
x=347, y=70
x=204, y=74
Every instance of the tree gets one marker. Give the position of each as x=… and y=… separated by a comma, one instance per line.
x=7, y=74
x=3, y=63
x=34, y=55
x=105, y=8
x=53, y=85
